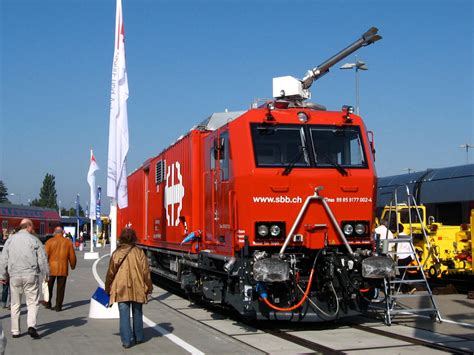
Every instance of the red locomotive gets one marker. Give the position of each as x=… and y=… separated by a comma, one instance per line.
x=268, y=210
x=44, y=219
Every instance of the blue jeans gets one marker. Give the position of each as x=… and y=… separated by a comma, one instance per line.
x=128, y=336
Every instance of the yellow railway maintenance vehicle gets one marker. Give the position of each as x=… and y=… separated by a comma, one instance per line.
x=442, y=249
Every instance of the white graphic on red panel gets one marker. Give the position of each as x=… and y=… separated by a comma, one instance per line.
x=174, y=193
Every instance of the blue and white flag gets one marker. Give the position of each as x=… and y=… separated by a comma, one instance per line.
x=97, y=209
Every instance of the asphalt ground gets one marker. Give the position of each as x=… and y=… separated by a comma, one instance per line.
x=72, y=332
x=173, y=325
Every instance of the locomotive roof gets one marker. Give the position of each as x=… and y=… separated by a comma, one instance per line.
x=218, y=119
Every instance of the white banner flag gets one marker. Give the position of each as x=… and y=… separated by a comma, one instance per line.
x=118, y=126
x=93, y=167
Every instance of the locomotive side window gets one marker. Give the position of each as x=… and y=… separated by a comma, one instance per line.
x=212, y=158
x=338, y=146
x=279, y=146
x=224, y=155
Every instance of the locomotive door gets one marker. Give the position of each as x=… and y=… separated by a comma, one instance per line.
x=222, y=223
x=210, y=157
x=216, y=187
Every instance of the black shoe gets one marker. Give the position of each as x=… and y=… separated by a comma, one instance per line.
x=33, y=333
x=16, y=335
x=127, y=346
x=47, y=306
x=58, y=309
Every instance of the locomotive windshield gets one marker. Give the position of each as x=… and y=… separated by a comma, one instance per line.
x=308, y=146
x=337, y=146
x=279, y=146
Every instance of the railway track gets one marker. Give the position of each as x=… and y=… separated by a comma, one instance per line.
x=314, y=337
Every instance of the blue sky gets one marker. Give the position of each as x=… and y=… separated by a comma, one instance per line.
x=188, y=59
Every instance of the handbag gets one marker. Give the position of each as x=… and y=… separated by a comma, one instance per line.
x=101, y=297
x=45, y=290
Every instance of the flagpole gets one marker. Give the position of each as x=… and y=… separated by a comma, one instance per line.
x=92, y=235
x=113, y=223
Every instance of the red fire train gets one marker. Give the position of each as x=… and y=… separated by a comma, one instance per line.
x=269, y=210
x=44, y=219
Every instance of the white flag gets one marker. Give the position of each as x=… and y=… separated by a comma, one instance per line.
x=93, y=167
x=118, y=126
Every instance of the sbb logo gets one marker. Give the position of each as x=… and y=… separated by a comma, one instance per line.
x=174, y=193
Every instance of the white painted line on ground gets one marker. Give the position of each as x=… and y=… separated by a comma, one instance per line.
x=178, y=341
x=94, y=271
x=442, y=319
x=458, y=323
x=172, y=337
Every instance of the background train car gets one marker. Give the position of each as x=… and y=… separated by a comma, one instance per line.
x=447, y=193
x=44, y=219
x=269, y=210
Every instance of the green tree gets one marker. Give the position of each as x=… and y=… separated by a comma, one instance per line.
x=3, y=193
x=48, y=196
x=72, y=212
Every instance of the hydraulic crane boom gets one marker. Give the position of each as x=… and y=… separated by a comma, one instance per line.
x=367, y=38
x=292, y=89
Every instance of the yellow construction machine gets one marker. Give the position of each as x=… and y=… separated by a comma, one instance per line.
x=443, y=250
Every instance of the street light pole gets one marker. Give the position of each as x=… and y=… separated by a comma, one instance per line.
x=467, y=147
x=358, y=65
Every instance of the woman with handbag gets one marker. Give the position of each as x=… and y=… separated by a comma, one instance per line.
x=128, y=282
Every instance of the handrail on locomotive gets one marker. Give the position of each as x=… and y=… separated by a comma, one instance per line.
x=328, y=210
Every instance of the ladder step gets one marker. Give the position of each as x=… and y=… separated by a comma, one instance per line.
x=411, y=295
x=407, y=267
x=413, y=310
x=407, y=281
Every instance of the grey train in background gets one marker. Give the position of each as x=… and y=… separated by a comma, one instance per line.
x=447, y=193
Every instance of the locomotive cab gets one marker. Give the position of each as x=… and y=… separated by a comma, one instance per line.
x=263, y=165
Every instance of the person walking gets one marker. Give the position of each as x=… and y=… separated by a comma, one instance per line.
x=23, y=259
x=128, y=282
x=60, y=252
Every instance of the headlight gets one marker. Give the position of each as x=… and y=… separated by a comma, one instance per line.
x=269, y=230
x=359, y=228
x=303, y=117
x=275, y=230
x=348, y=229
x=262, y=230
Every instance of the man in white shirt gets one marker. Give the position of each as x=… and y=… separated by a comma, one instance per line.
x=382, y=233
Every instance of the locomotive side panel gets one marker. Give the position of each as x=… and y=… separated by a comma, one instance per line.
x=134, y=214
x=174, y=197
